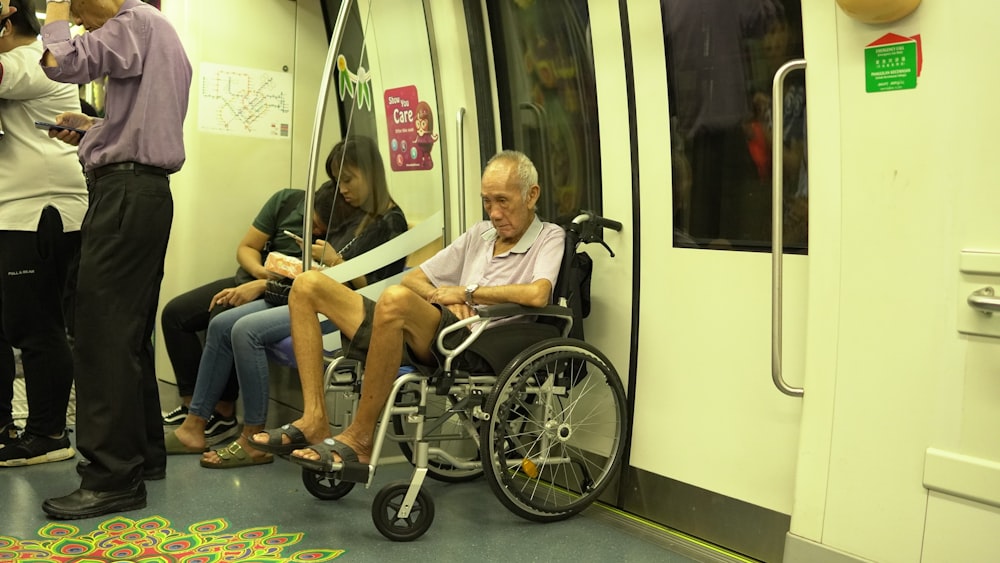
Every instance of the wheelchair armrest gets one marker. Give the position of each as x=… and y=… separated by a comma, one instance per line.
x=487, y=315
x=513, y=309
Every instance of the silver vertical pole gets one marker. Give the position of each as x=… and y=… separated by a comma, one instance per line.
x=324, y=90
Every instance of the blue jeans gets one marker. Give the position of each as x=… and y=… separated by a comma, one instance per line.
x=241, y=336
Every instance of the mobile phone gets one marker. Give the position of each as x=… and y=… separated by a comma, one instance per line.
x=47, y=125
x=293, y=235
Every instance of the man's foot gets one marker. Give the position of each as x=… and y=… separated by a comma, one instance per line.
x=363, y=452
x=220, y=428
x=84, y=503
x=8, y=434
x=335, y=456
x=287, y=438
x=32, y=449
x=175, y=417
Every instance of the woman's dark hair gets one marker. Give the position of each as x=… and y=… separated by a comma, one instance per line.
x=329, y=205
x=24, y=21
x=363, y=153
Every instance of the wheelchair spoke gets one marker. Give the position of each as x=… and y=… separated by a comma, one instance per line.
x=556, y=430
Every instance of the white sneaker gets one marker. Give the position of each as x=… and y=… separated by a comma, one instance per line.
x=175, y=417
x=218, y=429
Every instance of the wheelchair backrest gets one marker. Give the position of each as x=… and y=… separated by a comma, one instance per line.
x=573, y=283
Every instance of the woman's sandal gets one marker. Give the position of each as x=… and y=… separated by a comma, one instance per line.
x=349, y=468
x=234, y=455
x=174, y=446
x=274, y=445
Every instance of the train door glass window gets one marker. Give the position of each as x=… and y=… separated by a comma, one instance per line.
x=721, y=58
x=547, y=97
x=384, y=159
x=352, y=47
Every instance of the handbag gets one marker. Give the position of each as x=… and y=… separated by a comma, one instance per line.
x=276, y=291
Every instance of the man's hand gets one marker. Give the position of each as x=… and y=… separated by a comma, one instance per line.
x=74, y=120
x=448, y=295
x=462, y=311
x=5, y=9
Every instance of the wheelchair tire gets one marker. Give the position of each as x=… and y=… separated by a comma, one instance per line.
x=436, y=469
x=325, y=486
x=385, y=512
x=557, y=429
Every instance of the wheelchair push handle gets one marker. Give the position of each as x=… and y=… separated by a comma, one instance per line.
x=598, y=221
x=587, y=227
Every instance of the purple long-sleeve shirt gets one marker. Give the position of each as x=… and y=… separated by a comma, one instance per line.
x=149, y=80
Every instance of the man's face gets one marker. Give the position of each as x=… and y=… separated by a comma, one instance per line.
x=92, y=14
x=510, y=213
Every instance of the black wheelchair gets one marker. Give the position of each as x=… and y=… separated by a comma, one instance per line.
x=547, y=426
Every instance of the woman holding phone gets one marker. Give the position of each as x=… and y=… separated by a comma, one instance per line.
x=241, y=336
x=188, y=314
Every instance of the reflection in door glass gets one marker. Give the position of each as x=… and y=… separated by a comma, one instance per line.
x=721, y=57
x=547, y=98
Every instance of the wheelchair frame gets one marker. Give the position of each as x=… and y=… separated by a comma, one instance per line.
x=551, y=426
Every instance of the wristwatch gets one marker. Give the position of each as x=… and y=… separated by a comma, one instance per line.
x=469, y=290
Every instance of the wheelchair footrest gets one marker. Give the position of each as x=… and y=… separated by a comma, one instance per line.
x=354, y=472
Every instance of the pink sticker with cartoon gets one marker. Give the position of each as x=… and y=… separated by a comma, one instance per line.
x=411, y=129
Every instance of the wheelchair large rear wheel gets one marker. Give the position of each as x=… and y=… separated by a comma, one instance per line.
x=455, y=438
x=556, y=429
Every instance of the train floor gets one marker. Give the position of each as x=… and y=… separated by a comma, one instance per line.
x=470, y=523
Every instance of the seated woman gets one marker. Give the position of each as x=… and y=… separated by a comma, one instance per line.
x=242, y=335
x=186, y=315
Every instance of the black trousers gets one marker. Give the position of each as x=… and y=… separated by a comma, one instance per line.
x=124, y=241
x=35, y=269
x=183, y=318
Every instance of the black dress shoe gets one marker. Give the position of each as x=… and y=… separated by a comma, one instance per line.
x=84, y=503
x=148, y=473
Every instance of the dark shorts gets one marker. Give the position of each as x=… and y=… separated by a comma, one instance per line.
x=357, y=348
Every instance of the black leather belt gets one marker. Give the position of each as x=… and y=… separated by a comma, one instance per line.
x=133, y=167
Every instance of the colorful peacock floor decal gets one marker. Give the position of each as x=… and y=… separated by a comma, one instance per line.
x=152, y=540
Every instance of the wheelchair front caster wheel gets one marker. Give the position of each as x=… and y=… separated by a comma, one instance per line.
x=387, y=506
x=325, y=486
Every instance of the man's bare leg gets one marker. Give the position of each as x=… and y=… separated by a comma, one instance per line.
x=400, y=314
x=312, y=293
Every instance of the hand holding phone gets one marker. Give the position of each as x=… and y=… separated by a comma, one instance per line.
x=292, y=235
x=47, y=125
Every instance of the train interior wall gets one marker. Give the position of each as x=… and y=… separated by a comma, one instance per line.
x=892, y=453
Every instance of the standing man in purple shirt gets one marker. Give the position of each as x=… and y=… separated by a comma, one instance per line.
x=127, y=158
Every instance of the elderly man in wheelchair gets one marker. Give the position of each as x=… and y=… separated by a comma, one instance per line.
x=511, y=261
x=512, y=258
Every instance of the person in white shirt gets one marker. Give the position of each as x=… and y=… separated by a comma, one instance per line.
x=43, y=199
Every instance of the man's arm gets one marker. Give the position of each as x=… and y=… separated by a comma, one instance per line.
x=534, y=294
x=54, y=12
x=417, y=281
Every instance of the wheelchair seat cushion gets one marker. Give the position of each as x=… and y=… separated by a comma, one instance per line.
x=492, y=351
x=498, y=346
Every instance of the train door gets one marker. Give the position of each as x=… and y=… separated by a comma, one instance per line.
x=582, y=87
x=714, y=437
